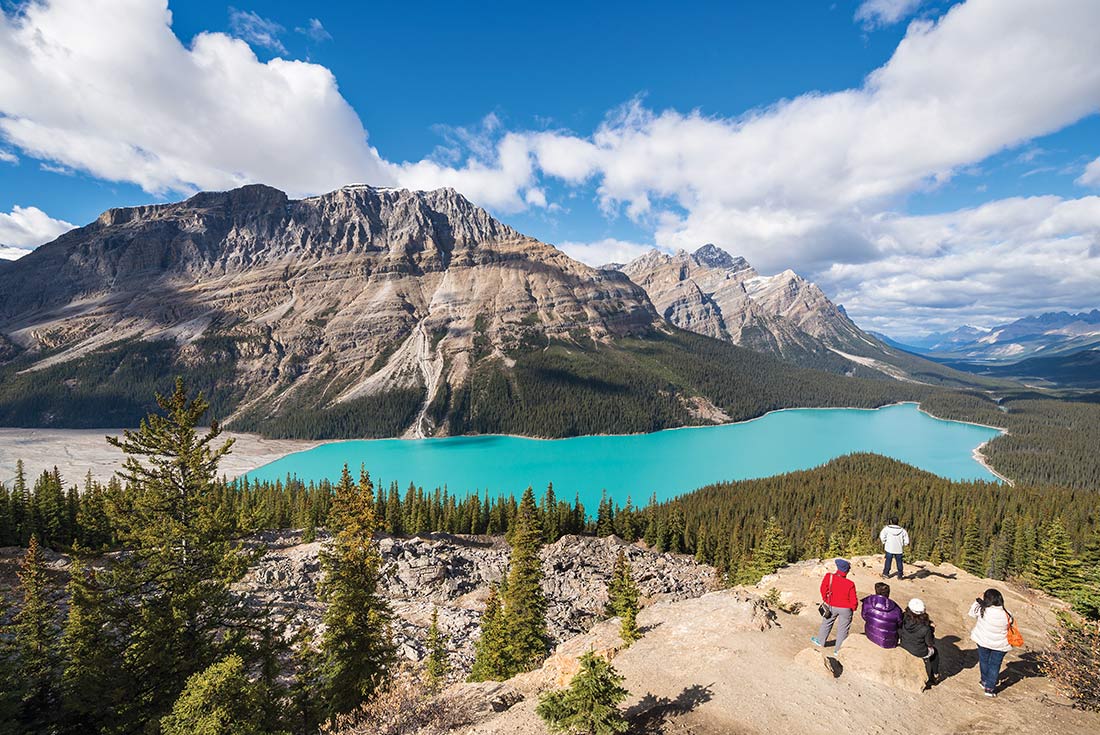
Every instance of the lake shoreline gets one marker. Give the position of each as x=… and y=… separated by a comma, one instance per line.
x=86, y=449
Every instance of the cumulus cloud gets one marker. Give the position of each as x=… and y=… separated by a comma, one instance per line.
x=25, y=228
x=149, y=110
x=879, y=13
x=8, y=156
x=256, y=30
x=603, y=252
x=315, y=31
x=801, y=183
x=1091, y=176
x=1005, y=259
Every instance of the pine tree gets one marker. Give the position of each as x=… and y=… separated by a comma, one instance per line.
x=972, y=554
x=551, y=522
x=1025, y=546
x=9, y=684
x=1056, y=569
x=490, y=656
x=605, y=517
x=174, y=585
x=770, y=554
x=218, y=700
x=944, y=548
x=357, y=648
x=35, y=637
x=1087, y=599
x=590, y=704
x=438, y=664
x=816, y=545
x=622, y=593
x=860, y=544
x=523, y=601
x=1002, y=550
x=90, y=682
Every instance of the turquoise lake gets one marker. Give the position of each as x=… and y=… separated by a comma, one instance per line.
x=668, y=463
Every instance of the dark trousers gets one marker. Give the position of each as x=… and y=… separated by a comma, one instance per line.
x=893, y=558
x=989, y=664
x=932, y=665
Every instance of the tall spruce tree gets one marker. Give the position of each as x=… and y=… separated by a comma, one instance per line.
x=972, y=553
x=622, y=593
x=171, y=595
x=771, y=553
x=1087, y=599
x=490, y=656
x=36, y=635
x=523, y=601
x=90, y=682
x=1056, y=569
x=357, y=647
x=944, y=548
x=9, y=688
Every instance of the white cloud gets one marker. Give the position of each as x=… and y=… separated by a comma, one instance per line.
x=104, y=86
x=25, y=228
x=8, y=156
x=1091, y=175
x=256, y=30
x=879, y=13
x=315, y=31
x=500, y=182
x=602, y=252
x=1005, y=259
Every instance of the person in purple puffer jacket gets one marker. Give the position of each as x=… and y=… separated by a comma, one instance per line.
x=881, y=617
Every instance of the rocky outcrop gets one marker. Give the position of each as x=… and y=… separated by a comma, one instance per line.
x=452, y=574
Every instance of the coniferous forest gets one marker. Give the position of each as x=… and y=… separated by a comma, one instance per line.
x=161, y=619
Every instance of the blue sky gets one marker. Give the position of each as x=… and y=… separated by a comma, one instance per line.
x=926, y=162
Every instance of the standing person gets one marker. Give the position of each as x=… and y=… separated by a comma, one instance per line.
x=918, y=637
x=991, y=634
x=839, y=593
x=894, y=539
x=881, y=617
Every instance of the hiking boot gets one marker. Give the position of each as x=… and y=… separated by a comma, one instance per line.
x=815, y=641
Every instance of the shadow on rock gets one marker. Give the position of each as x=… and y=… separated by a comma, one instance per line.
x=1025, y=667
x=651, y=713
x=923, y=573
x=954, y=659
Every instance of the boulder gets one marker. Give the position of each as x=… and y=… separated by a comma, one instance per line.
x=895, y=667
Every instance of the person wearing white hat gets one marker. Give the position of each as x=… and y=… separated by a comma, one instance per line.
x=918, y=637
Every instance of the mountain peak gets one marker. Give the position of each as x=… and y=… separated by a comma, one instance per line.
x=713, y=256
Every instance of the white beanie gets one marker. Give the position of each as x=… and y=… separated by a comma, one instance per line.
x=916, y=605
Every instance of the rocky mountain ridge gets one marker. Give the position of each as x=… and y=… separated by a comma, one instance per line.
x=722, y=296
x=356, y=293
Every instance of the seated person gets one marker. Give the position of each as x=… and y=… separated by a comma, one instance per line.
x=881, y=617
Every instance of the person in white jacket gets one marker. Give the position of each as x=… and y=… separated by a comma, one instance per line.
x=991, y=634
x=894, y=539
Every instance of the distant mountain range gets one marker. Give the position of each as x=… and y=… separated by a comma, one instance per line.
x=1058, y=348
x=1053, y=333
x=714, y=293
x=383, y=312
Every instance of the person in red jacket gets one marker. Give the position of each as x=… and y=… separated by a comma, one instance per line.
x=839, y=593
